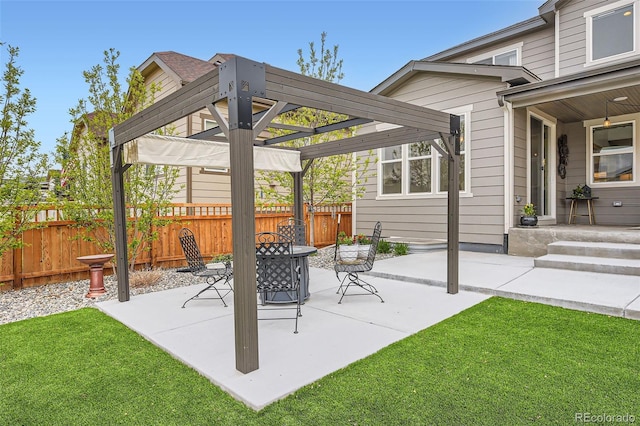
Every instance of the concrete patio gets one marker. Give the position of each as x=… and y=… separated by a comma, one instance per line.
x=332, y=336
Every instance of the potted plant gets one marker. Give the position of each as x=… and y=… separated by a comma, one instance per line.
x=581, y=191
x=364, y=245
x=529, y=217
x=347, y=250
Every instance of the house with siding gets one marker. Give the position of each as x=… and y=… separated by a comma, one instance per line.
x=519, y=91
x=170, y=71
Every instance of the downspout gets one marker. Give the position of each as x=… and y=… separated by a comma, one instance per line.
x=557, y=44
x=508, y=169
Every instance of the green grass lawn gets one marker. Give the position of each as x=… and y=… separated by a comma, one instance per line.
x=500, y=362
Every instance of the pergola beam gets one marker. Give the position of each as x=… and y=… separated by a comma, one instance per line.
x=305, y=132
x=191, y=98
x=223, y=125
x=266, y=118
x=291, y=127
x=367, y=141
x=314, y=93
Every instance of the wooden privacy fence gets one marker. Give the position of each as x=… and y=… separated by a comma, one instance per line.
x=50, y=251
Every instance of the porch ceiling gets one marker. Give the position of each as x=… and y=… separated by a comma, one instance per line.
x=587, y=107
x=581, y=96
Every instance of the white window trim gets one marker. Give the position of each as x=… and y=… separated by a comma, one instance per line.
x=622, y=119
x=435, y=166
x=491, y=54
x=589, y=32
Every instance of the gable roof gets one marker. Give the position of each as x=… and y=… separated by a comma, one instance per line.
x=514, y=75
x=545, y=18
x=515, y=30
x=551, y=6
x=183, y=68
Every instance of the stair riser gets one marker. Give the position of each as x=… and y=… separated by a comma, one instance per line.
x=612, y=253
x=588, y=267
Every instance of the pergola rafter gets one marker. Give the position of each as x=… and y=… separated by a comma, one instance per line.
x=255, y=94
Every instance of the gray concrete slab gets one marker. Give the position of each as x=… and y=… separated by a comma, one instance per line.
x=515, y=277
x=331, y=335
x=587, y=291
x=477, y=271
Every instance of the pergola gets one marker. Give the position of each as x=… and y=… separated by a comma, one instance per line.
x=252, y=95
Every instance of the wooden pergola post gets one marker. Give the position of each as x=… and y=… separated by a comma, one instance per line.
x=120, y=218
x=298, y=196
x=240, y=80
x=244, y=250
x=453, y=206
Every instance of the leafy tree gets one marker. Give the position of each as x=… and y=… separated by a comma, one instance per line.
x=328, y=180
x=85, y=156
x=21, y=165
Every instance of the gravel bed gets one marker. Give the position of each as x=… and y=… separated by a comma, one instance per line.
x=54, y=298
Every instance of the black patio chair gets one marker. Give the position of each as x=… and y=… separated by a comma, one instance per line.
x=352, y=268
x=276, y=272
x=198, y=268
x=294, y=230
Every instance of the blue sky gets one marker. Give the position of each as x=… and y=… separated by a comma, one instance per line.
x=58, y=40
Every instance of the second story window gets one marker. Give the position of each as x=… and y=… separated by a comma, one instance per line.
x=508, y=55
x=507, y=58
x=611, y=31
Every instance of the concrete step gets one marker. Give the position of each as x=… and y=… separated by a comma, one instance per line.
x=589, y=264
x=595, y=249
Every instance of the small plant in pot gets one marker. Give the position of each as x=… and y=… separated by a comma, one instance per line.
x=364, y=245
x=348, y=252
x=581, y=191
x=529, y=217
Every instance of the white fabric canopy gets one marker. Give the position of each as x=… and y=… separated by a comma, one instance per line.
x=176, y=151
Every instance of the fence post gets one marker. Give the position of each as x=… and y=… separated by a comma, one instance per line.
x=17, y=260
x=152, y=253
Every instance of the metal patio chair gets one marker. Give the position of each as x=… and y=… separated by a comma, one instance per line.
x=294, y=230
x=351, y=269
x=276, y=271
x=217, y=278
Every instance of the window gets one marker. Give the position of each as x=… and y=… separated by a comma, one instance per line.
x=391, y=163
x=418, y=169
x=507, y=58
x=210, y=124
x=509, y=55
x=612, y=153
x=611, y=31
